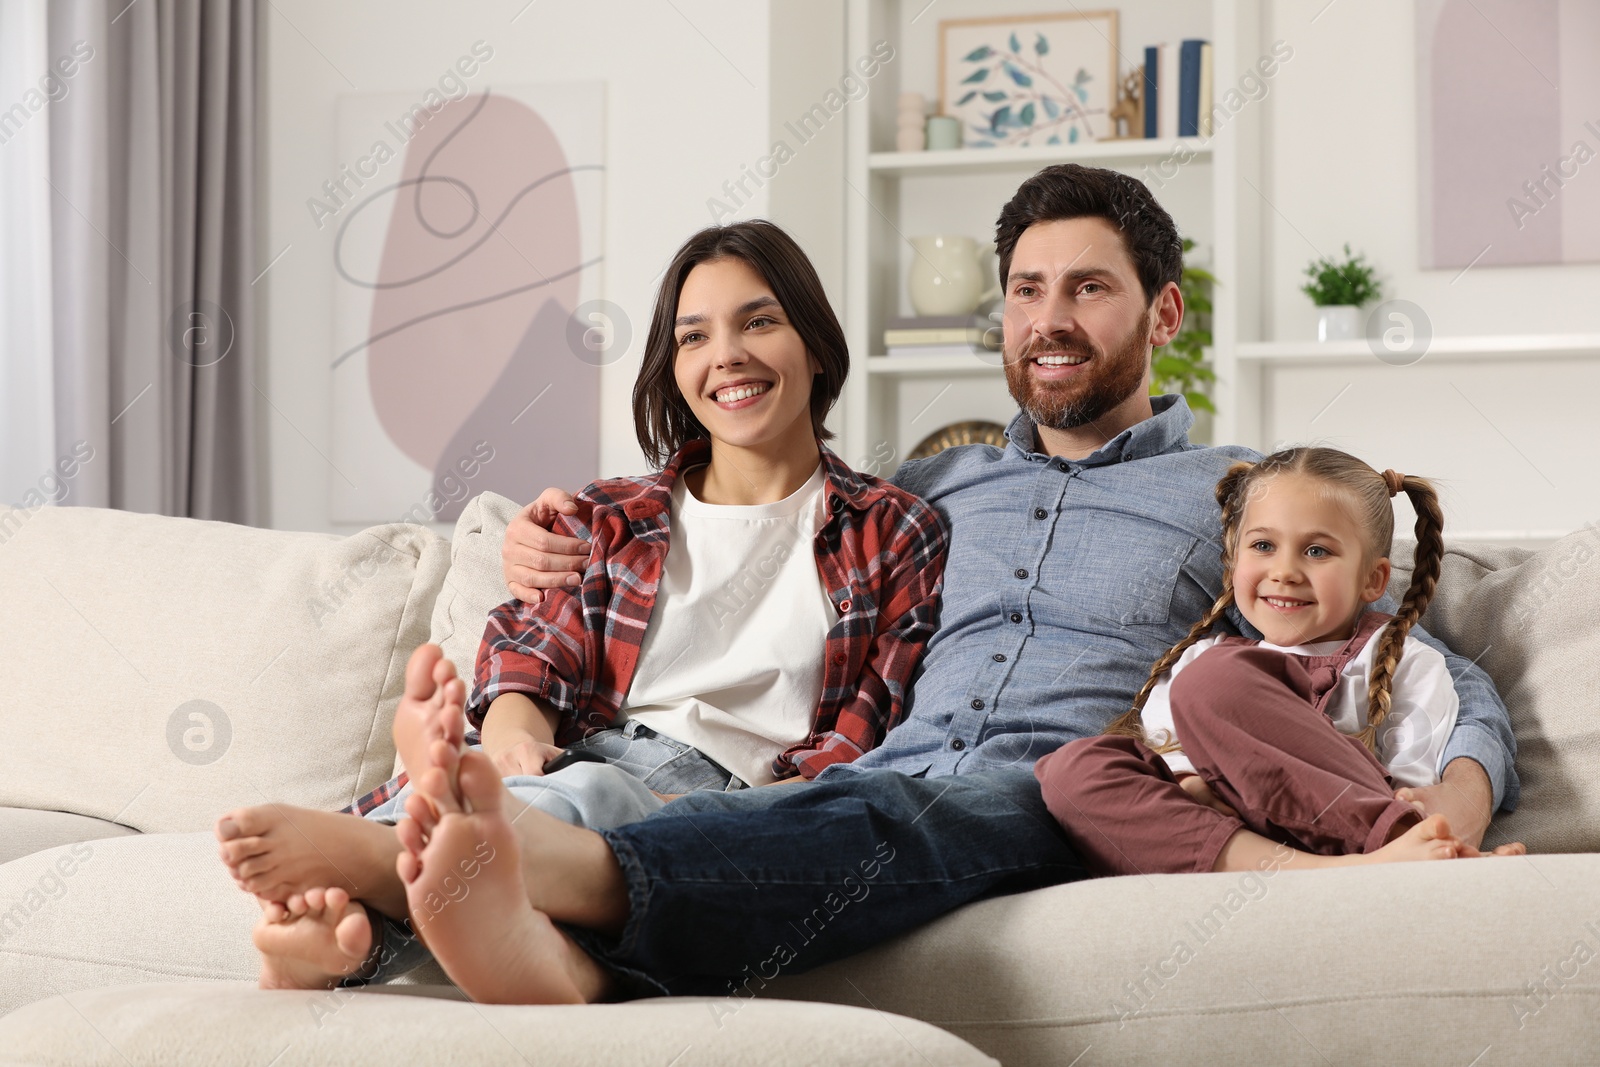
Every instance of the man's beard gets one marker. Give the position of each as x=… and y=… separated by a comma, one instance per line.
x=1080, y=400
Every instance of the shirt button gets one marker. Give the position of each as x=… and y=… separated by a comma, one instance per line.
x=1022, y=572
x=958, y=744
x=999, y=657
x=844, y=606
x=977, y=705
x=840, y=658
x=1016, y=616
x=1040, y=513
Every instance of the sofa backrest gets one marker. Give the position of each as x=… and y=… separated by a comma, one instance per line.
x=159, y=671
x=1532, y=621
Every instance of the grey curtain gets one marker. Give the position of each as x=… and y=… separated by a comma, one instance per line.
x=152, y=162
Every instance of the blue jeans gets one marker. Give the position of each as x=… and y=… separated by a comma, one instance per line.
x=638, y=763
x=728, y=890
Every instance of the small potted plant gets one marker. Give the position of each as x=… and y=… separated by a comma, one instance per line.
x=1339, y=288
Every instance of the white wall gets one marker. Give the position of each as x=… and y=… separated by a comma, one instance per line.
x=1511, y=439
x=687, y=105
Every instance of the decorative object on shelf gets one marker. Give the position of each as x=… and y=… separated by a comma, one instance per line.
x=1030, y=79
x=1127, y=118
x=948, y=275
x=1181, y=366
x=975, y=432
x=944, y=133
x=1339, y=288
x=909, y=119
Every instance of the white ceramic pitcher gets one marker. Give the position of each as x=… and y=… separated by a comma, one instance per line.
x=950, y=275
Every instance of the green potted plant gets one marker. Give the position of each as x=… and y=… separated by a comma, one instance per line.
x=1339, y=288
x=1181, y=366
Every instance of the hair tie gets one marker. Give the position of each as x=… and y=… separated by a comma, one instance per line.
x=1395, y=481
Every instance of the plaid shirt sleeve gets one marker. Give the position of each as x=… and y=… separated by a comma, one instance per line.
x=545, y=650
x=904, y=578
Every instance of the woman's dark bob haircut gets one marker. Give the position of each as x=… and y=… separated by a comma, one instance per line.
x=661, y=416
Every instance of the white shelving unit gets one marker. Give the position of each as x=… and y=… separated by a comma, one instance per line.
x=1547, y=346
x=892, y=196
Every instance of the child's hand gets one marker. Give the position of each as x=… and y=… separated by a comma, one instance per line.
x=1197, y=788
x=526, y=756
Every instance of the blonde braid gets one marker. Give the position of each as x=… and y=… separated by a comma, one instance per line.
x=1230, y=496
x=1424, y=580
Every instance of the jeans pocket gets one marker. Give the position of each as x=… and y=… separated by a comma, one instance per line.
x=687, y=772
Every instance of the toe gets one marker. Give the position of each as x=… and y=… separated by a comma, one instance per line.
x=480, y=782
x=420, y=669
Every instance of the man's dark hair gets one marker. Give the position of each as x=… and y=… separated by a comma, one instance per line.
x=1071, y=191
x=661, y=417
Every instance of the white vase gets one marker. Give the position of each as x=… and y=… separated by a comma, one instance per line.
x=947, y=275
x=1339, y=322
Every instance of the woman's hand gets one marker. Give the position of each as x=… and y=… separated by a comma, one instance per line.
x=1197, y=788
x=524, y=755
x=532, y=558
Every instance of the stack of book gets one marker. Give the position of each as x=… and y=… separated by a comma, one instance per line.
x=935, y=335
x=1177, y=90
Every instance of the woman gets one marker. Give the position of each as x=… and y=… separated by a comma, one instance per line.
x=749, y=615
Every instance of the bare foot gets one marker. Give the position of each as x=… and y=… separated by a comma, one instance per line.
x=1429, y=839
x=470, y=906
x=431, y=709
x=311, y=941
x=275, y=851
x=570, y=873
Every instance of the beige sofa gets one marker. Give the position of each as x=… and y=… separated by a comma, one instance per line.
x=158, y=671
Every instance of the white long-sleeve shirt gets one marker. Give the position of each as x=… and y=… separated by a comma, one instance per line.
x=1410, y=743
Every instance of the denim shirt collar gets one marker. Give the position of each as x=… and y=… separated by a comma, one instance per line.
x=1164, y=431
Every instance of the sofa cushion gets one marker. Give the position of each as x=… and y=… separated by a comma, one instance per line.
x=1532, y=621
x=475, y=585
x=24, y=831
x=166, y=1024
x=1415, y=963
x=159, y=671
x=70, y=921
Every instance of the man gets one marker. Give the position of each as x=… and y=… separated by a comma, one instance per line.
x=1078, y=554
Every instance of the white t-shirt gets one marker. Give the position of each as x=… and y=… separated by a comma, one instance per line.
x=1410, y=743
x=732, y=659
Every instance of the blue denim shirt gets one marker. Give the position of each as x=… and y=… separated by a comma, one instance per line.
x=1067, y=579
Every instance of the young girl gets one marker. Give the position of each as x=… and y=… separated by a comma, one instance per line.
x=1235, y=747
x=750, y=615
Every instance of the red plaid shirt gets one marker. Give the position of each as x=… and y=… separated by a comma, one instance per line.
x=880, y=553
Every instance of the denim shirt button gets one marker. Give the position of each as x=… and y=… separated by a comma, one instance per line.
x=1016, y=616
x=1040, y=513
x=999, y=657
x=977, y=704
x=958, y=744
x=1022, y=572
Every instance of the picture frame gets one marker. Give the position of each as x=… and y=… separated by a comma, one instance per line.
x=1023, y=80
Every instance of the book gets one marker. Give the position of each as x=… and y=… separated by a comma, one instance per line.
x=958, y=335
x=1189, y=87
x=952, y=350
x=1152, y=89
x=1167, y=82
x=1207, y=101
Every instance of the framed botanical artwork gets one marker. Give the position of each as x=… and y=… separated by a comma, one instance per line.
x=1029, y=79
